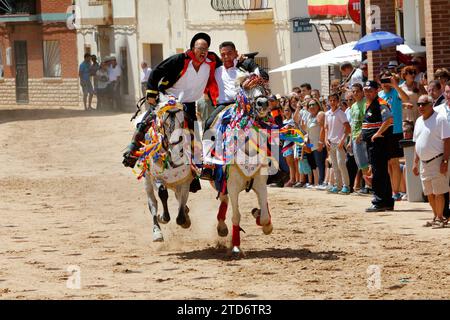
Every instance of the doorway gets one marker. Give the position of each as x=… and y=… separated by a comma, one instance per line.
x=21, y=62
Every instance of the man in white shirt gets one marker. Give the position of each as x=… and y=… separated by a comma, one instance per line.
x=114, y=73
x=145, y=74
x=337, y=129
x=432, y=138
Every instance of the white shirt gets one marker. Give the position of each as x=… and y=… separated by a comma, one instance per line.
x=145, y=74
x=357, y=77
x=429, y=135
x=335, y=122
x=444, y=110
x=114, y=73
x=226, y=80
x=190, y=87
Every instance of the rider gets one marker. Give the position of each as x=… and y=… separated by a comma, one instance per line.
x=226, y=75
x=187, y=76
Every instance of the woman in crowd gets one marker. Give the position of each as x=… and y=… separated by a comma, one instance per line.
x=316, y=134
x=413, y=90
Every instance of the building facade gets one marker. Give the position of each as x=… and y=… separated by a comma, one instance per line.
x=38, y=58
x=264, y=26
x=109, y=28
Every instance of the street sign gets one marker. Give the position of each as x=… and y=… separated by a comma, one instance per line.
x=302, y=25
x=354, y=10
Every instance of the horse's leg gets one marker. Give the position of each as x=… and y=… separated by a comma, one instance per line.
x=222, y=228
x=163, y=194
x=235, y=185
x=264, y=218
x=153, y=207
x=182, y=195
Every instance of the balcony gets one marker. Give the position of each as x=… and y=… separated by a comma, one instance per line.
x=251, y=11
x=239, y=5
x=17, y=7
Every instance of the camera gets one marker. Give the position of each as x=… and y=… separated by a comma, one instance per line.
x=385, y=80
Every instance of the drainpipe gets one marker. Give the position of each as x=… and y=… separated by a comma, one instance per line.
x=363, y=26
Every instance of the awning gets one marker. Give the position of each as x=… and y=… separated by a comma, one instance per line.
x=411, y=49
x=328, y=8
x=341, y=54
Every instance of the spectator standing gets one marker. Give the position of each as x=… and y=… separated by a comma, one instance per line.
x=316, y=137
x=394, y=96
x=337, y=128
x=359, y=146
x=95, y=66
x=103, y=101
x=84, y=74
x=376, y=132
x=114, y=73
x=435, y=90
x=432, y=137
x=443, y=75
x=145, y=74
x=411, y=88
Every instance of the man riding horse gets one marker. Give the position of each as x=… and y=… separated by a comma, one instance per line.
x=186, y=76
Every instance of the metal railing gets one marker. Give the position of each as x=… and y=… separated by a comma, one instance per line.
x=10, y=7
x=239, y=5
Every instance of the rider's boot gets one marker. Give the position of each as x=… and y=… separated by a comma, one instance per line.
x=207, y=172
x=129, y=157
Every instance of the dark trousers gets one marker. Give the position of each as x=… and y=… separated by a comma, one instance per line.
x=352, y=169
x=381, y=182
x=446, y=209
x=320, y=158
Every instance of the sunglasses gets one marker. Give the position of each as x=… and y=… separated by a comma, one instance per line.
x=423, y=104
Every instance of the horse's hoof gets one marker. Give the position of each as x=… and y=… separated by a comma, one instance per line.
x=267, y=229
x=164, y=219
x=256, y=213
x=222, y=229
x=236, y=253
x=157, y=235
x=185, y=222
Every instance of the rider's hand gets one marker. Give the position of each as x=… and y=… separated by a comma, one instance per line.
x=151, y=101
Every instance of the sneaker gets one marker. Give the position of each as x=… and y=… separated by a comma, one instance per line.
x=345, y=190
x=312, y=187
x=322, y=187
x=334, y=190
x=397, y=197
x=299, y=185
x=375, y=208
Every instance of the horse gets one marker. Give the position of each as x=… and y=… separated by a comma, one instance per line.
x=165, y=163
x=239, y=173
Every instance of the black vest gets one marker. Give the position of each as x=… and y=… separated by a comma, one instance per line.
x=373, y=120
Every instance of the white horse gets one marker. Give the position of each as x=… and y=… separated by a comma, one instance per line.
x=168, y=164
x=245, y=167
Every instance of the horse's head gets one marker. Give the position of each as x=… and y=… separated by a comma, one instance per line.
x=171, y=122
x=255, y=88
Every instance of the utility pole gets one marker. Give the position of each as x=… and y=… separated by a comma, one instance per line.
x=363, y=26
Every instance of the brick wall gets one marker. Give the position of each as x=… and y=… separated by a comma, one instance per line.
x=43, y=93
x=437, y=30
x=380, y=58
x=53, y=6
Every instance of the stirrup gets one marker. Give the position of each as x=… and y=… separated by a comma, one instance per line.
x=207, y=174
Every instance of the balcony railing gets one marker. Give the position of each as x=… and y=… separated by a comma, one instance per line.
x=239, y=5
x=13, y=7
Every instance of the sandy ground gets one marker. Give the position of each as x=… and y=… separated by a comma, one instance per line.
x=66, y=200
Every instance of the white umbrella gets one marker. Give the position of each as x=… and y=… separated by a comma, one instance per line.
x=338, y=55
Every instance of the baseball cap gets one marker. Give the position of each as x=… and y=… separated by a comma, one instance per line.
x=371, y=85
x=393, y=64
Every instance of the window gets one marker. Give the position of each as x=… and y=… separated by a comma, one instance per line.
x=52, y=59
